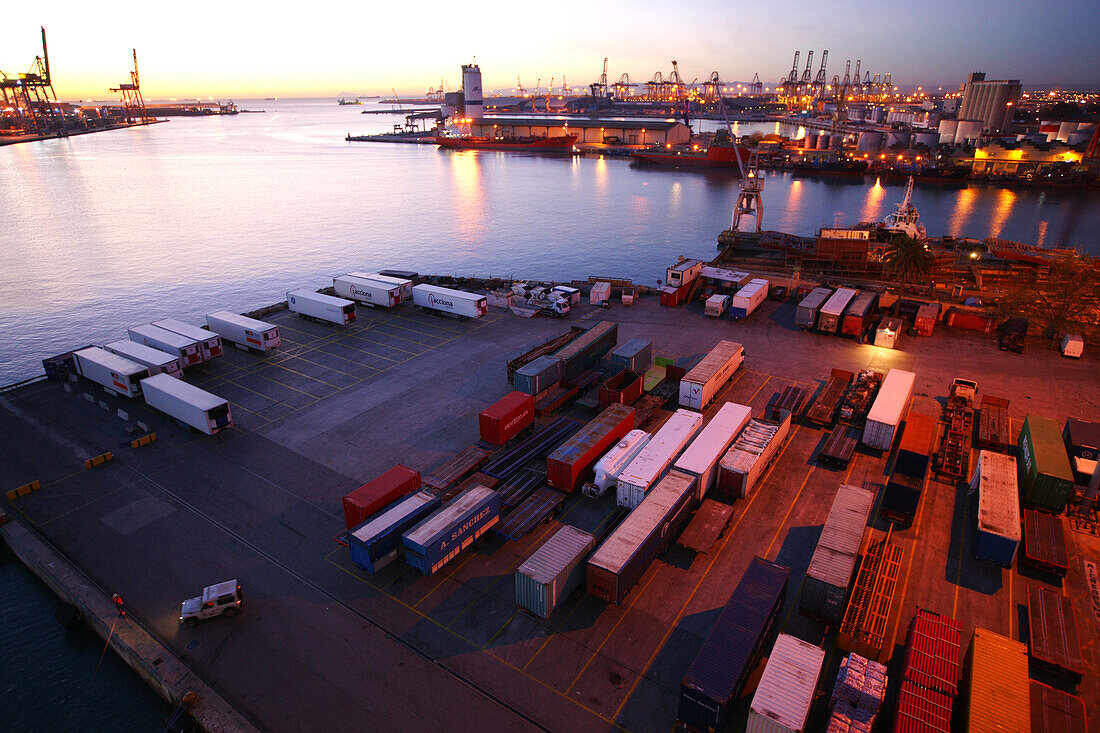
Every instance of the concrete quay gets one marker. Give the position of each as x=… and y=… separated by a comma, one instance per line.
x=321, y=644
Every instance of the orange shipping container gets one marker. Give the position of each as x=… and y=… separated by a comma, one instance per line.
x=999, y=692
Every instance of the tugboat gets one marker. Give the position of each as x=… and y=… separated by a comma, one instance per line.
x=722, y=152
x=562, y=144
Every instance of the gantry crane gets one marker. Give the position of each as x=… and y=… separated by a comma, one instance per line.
x=132, y=101
x=29, y=96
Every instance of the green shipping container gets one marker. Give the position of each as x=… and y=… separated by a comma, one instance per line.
x=1045, y=476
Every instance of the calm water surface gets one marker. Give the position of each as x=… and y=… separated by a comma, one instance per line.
x=108, y=230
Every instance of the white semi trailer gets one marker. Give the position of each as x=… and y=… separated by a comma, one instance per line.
x=457, y=303
x=156, y=360
x=188, y=349
x=187, y=403
x=247, y=332
x=210, y=344
x=319, y=307
x=116, y=374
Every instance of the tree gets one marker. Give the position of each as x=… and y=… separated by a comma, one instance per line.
x=908, y=260
x=1068, y=293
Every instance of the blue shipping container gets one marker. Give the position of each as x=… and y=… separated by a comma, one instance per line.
x=734, y=647
x=432, y=543
x=538, y=375
x=375, y=542
x=635, y=355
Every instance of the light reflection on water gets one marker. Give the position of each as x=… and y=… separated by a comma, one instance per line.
x=107, y=230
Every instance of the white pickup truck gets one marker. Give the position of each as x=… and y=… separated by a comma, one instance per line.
x=216, y=600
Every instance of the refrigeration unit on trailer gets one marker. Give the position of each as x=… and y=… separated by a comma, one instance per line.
x=439, y=538
x=188, y=349
x=243, y=331
x=700, y=458
x=375, y=543
x=702, y=384
x=643, y=473
x=405, y=284
x=457, y=303
x=832, y=313
x=156, y=360
x=808, y=308
x=553, y=571
x=187, y=403
x=316, y=306
x=888, y=409
x=366, y=290
x=115, y=373
x=612, y=463
x=749, y=298
x=210, y=344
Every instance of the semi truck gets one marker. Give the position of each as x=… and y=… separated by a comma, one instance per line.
x=702, y=384
x=316, y=306
x=243, y=331
x=187, y=403
x=116, y=374
x=210, y=344
x=454, y=303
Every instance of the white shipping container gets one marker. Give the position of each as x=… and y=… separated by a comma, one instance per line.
x=572, y=294
x=245, y=331
x=600, y=293
x=1073, y=345
x=114, y=373
x=786, y=689
x=210, y=344
x=749, y=298
x=701, y=457
x=320, y=307
x=187, y=403
x=159, y=362
x=888, y=409
x=706, y=379
x=834, y=558
x=654, y=460
x=454, y=302
x=828, y=319
x=615, y=460
x=188, y=349
x=553, y=571
x=997, y=482
x=405, y=285
x=716, y=305
x=361, y=289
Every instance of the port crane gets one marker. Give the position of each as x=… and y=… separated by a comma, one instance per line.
x=520, y=91
x=132, y=101
x=599, y=87
x=820, y=80
x=29, y=95
x=749, y=199
x=623, y=88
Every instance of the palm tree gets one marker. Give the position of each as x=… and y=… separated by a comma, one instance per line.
x=908, y=260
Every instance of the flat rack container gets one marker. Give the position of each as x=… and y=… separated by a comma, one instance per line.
x=436, y=540
x=571, y=464
x=787, y=686
x=832, y=312
x=888, y=409
x=807, y=312
x=863, y=629
x=825, y=589
x=507, y=417
x=553, y=571
x=999, y=695
x=379, y=493
x=702, y=384
x=376, y=542
x=1046, y=477
x=647, y=468
x=839, y=446
x=998, y=535
x=1053, y=632
x=823, y=410
x=700, y=458
x=457, y=468
x=752, y=452
x=734, y=647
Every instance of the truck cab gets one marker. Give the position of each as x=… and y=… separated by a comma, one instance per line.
x=964, y=389
x=216, y=600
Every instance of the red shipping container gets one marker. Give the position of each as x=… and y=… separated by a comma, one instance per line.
x=379, y=493
x=969, y=320
x=672, y=297
x=506, y=418
x=574, y=459
x=926, y=318
x=922, y=711
x=624, y=389
x=932, y=652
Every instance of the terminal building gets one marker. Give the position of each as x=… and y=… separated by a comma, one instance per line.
x=992, y=102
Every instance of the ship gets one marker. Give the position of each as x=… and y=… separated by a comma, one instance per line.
x=835, y=167
x=343, y=100
x=722, y=152
x=560, y=144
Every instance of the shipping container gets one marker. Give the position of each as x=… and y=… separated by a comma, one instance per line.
x=608, y=468
x=671, y=297
x=832, y=312
x=376, y=542
x=116, y=374
x=436, y=540
x=1054, y=711
x=624, y=388
x=571, y=464
x=750, y=455
x=210, y=343
x=1073, y=346
x=157, y=361
x=378, y=493
x=248, y=332
x=999, y=698
x=825, y=589
x=889, y=332
x=600, y=294
x=888, y=409
x=647, y=531
x=187, y=349
x=920, y=710
x=635, y=355
x=806, y=313
x=733, y=648
x=927, y=316
x=535, y=377
x=553, y=571
x=586, y=350
x=1046, y=478
x=969, y=319
x=748, y=298
x=706, y=379
x=404, y=283
x=700, y=458
x=933, y=653
x=507, y=417
x=1082, y=441
x=319, y=307
x=683, y=272
x=860, y=315
x=787, y=686
x=998, y=534
x=192, y=406
x=901, y=497
x=1045, y=542
x=450, y=302
x=717, y=305
x=367, y=290
x=1052, y=636
x=643, y=473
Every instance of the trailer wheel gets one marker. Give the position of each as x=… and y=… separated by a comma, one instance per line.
x=191, y=622
x=229, y=612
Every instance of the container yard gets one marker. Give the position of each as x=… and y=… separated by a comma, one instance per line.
x=350, y=631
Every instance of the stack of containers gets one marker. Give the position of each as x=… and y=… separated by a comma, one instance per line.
x=734, y=646
x=586, y=350
x=751, y=454
x=646, y=532
x=857, y=696
x=506, y=418
x=999, y=698
x=825, y=590
x=538, y=375
x=748, y=298
x=786, y=690
x=440, y=537
x=553, y=571
x=571, y=463
x=702, y=384
x=374, y=543
x=378, y=493
x=998, y=535
x=635, y=355
x=930, y=674
x=650, y=465
x=701, y=457
x=1046, y=478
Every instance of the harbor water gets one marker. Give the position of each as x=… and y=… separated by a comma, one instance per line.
x=112, y=229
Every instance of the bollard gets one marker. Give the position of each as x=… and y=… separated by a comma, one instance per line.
x=123, y=415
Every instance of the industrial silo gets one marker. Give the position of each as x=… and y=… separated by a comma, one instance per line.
x=968, y=130
x=810, y=141
x=870, y=142
x=898, y=137
x=927, y=139
x=948, y=129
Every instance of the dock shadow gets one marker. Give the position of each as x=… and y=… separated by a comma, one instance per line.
x=961, y=567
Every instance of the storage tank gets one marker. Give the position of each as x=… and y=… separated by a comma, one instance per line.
x=898, y=137
x=927, y=139
x=948, y=130
x=823, y=142
x=857, y=113
x=836, y=142
x=878, y=114
x=968, y=130
x=810, y=141
x=871, y=142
